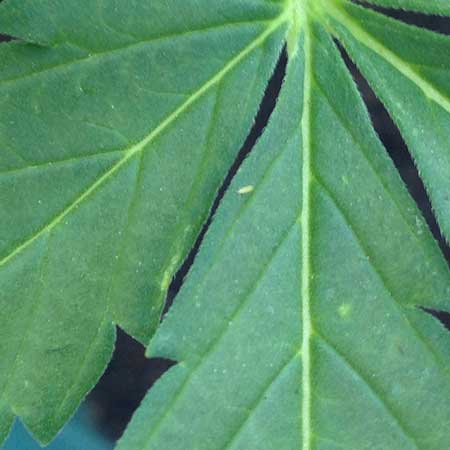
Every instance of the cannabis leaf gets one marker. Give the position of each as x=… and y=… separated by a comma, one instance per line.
x=118, y=122
x=440, y=7
x=301, y=325
x=409, y=70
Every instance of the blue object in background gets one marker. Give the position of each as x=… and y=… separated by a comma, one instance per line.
x=78, y=434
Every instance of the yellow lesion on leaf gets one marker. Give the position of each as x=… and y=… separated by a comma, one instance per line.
x=169, y=272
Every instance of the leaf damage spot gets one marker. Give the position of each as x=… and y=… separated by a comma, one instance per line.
x=169, y=272
x=345, y=310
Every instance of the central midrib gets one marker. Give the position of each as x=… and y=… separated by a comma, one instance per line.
x=306, y=245
x=141, y=145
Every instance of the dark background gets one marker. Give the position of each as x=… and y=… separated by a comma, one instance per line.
x=130, y=374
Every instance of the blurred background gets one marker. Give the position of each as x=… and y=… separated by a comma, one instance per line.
x=103, y=417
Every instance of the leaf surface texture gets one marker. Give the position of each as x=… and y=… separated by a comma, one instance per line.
x=118, y=124
x=301, y=323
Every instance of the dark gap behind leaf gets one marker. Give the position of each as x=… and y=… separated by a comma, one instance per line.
x=261, y=120
x=442, y=316
x=432, y=22
x=392, y=139
x=398, y=151
x=5, y=38
x=130, y=374
x=123, y=386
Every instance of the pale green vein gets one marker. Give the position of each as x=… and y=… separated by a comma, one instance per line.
x=265, y=178
x=306, y=244
x=93, y=56
x=405, y=68
x=140, y=146
x=377, y=271
x=106, y=320
x=260, y=398
x=373, y=391
x=132, y=205
x=202, y=359
x=38, y=294
x=105, y=128
x=170, y=264
x=365, y=151
x=60, y=162
x=101, y=6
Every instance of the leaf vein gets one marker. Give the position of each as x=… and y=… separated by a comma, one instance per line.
x=272, y=380
x=404, y=67
x=376, y=395
x=201, y=359
x=119, y=50
x=378, y=272
x=57, y=162
x=140, y=146
x=364, y=151
x=32, y=316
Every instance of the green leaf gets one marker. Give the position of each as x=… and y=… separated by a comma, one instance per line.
x=440, y=7
x=116, y=131
x=301, y=325
x=409, y=70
